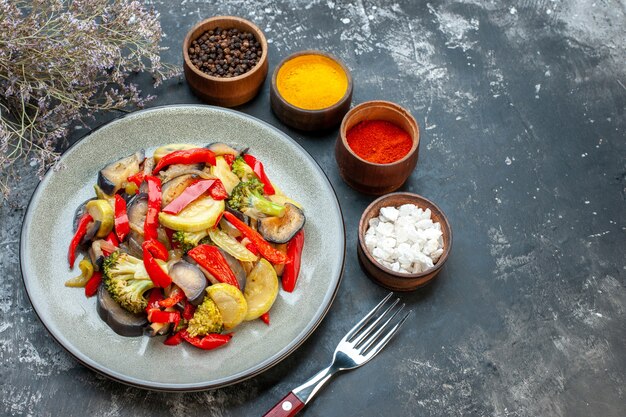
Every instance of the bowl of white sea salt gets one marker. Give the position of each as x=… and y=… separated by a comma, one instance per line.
x=404, y=241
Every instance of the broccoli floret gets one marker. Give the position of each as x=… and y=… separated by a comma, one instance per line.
x=242, y=169
x=182, y=325
x=249, y=195
x=206, y=319
x=205, y=241
x=189, y=240
x=126, y=279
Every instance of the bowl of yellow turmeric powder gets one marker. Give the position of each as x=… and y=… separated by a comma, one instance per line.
x=311, y=90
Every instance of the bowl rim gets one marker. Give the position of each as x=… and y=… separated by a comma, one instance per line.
x=291, y=107
x=389, y=105
x=257, y=31
x=446, y=250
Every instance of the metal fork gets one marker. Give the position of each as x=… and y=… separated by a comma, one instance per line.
x=357, y=347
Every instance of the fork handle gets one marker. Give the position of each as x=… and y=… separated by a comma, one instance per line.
x=300, y=396
x=287, y=407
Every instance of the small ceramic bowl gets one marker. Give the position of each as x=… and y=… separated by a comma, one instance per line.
x=309, y=120
x=369, y=177
x=227, y=92
x=384, y=276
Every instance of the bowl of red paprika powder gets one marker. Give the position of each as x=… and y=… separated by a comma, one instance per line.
x=378, y=147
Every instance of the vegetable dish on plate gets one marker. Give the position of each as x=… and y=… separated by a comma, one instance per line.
x=189, y=243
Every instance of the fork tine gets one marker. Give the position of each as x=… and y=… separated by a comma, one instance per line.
x=366, y=343
x=365, y=319
x=370, y=328
x=381, y=344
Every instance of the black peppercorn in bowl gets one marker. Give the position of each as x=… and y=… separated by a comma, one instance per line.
x=225, y=60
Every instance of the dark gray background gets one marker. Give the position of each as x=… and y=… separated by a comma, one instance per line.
x=521, y=107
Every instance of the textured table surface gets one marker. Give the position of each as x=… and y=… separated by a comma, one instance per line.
x=522, y=111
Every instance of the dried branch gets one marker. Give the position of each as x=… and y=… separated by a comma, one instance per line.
x=62, y=61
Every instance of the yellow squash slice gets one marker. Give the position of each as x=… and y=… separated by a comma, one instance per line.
x=231, y=303
x=261, y=289
x=165, y=149
x=200, y=215
x=102, y=211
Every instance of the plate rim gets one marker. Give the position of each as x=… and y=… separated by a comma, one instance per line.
x=188, y=387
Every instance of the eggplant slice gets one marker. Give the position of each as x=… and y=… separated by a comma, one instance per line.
x=91, y=232
x=190, y=279
x=119, y=320
x=148, y=166
x=238, y=215
x=136, y=210
x=96, y=255
x=219, y=148
x=135, y=240
x=282, y=229
x=80, y=211
x=176, y=170
x=175, y=187
x=112, y=177
x=236, y=267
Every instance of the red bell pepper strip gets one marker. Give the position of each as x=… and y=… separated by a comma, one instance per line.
x=92, y=285
x=151, y=223
x=191, y=193
x=211, y=259
x=217, y=191
x=229, y=158
x=292, y=269
x=267, y=251
x=265, y=317
x=176, y=296
x=219, y=217
x=173, y=340
x=158, y=316
x=109, y=244
x=112, y=239
x=158, y=276
x=258, y=169
x=210, y=341
x=187, y=156
x=156, y=248
x=153, y=299
x=170, y=234
x=81, y=230
x=137, y=179
x=122, y=227
x=188, y=311
x=246, y=242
